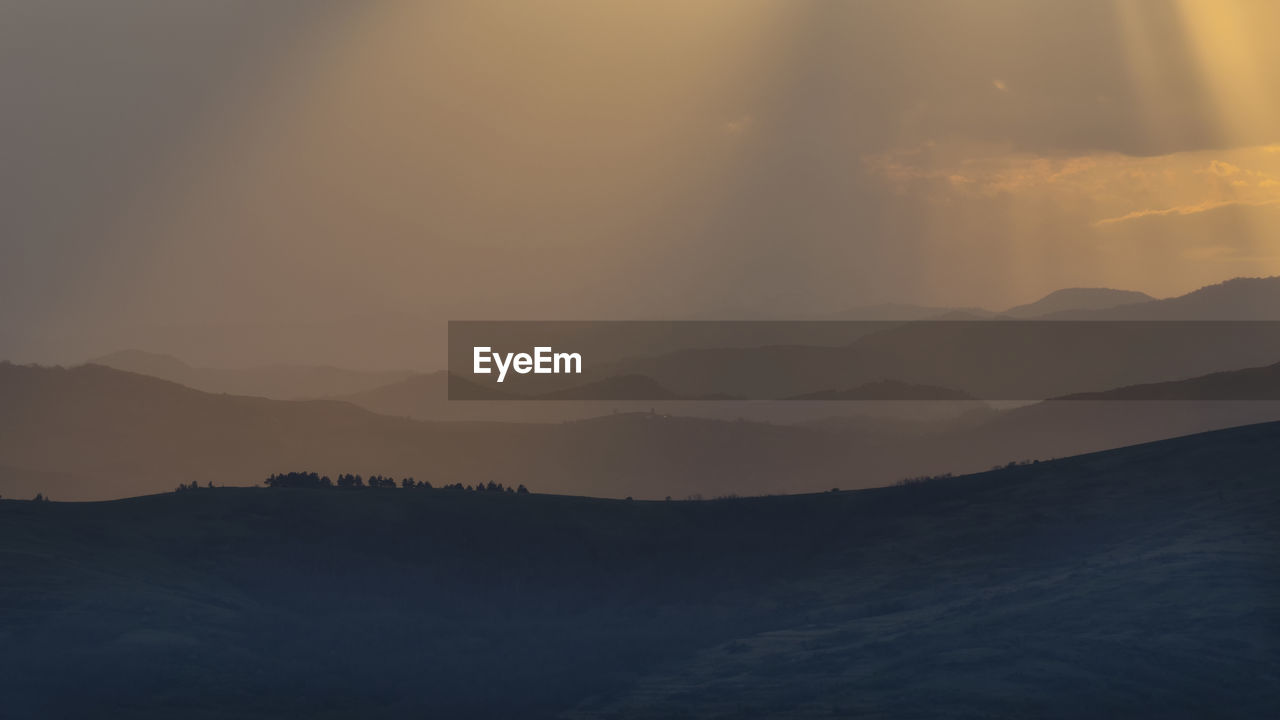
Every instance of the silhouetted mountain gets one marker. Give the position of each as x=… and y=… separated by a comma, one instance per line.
x=1236, y=299
x=1261, y=383
x=997, y=360
x=158, y=365
x=374, y=341
x=103, y=433
x=92, y=432
x=426, y=397
x=628, y=387
x=1070, y=299
x=460, y=389
x=907, y=312
x=1134, y=583
x=1064, y=427
x=405, y=397
x=281, y=382
x=1067, y=299
x=888, y=390
x=904, y=429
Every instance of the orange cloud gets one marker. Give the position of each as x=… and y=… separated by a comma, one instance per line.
x=1101, y=189
x=1181, y=210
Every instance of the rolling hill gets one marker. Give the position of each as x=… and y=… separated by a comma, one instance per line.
x=426, y=397
x=1134, y=583
x=280, y=382
x=96, y=433
x=992, y=360
x=1074, y=299
x=1137, y=343
x=1236, y=299
x=1249, y=384
x=888, y=390
x=1066, y=299
x=91, y=432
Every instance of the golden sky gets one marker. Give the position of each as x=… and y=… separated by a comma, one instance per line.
x=291, y=162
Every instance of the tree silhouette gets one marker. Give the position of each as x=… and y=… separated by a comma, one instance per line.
x=348, y=481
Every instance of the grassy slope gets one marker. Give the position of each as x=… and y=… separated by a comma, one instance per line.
x=1142, y=581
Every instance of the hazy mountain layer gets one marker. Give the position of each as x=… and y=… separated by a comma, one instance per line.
x=1069, y=299
x=94, y=433
x=281, y=382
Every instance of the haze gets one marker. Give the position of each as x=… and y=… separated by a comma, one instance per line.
x=248, y=182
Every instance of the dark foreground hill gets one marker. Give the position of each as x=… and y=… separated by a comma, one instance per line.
x=1140, y=582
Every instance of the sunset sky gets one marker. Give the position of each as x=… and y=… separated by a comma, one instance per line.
x=235, y=163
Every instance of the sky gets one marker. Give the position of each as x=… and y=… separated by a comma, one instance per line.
x=243, y=182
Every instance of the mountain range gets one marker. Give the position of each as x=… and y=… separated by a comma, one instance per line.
x=971, y=357
x=424, y=395
x=92, y=432
x=281, y=382
x=1235, y=299
x=95, y=432
x=1077, y=299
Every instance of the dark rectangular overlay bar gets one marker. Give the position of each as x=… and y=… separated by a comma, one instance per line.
x=864, y=360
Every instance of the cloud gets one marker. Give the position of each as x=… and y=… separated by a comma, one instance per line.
x=740, y=125
x=1102, y=189
x=1177, y=210
x=1222, y=169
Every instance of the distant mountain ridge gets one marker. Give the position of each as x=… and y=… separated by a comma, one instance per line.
x=999, y=359
x=888, y=390
x=279, y=382
x=909, y=354
x=1242, y=298
x=1077, y=299
x=92, y=432
x=1261, y=383
x=898, y=312
x=624, y=387
x=1064, y=300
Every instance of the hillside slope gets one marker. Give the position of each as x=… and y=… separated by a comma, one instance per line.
x=1261, y=383
x=1140, y=583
